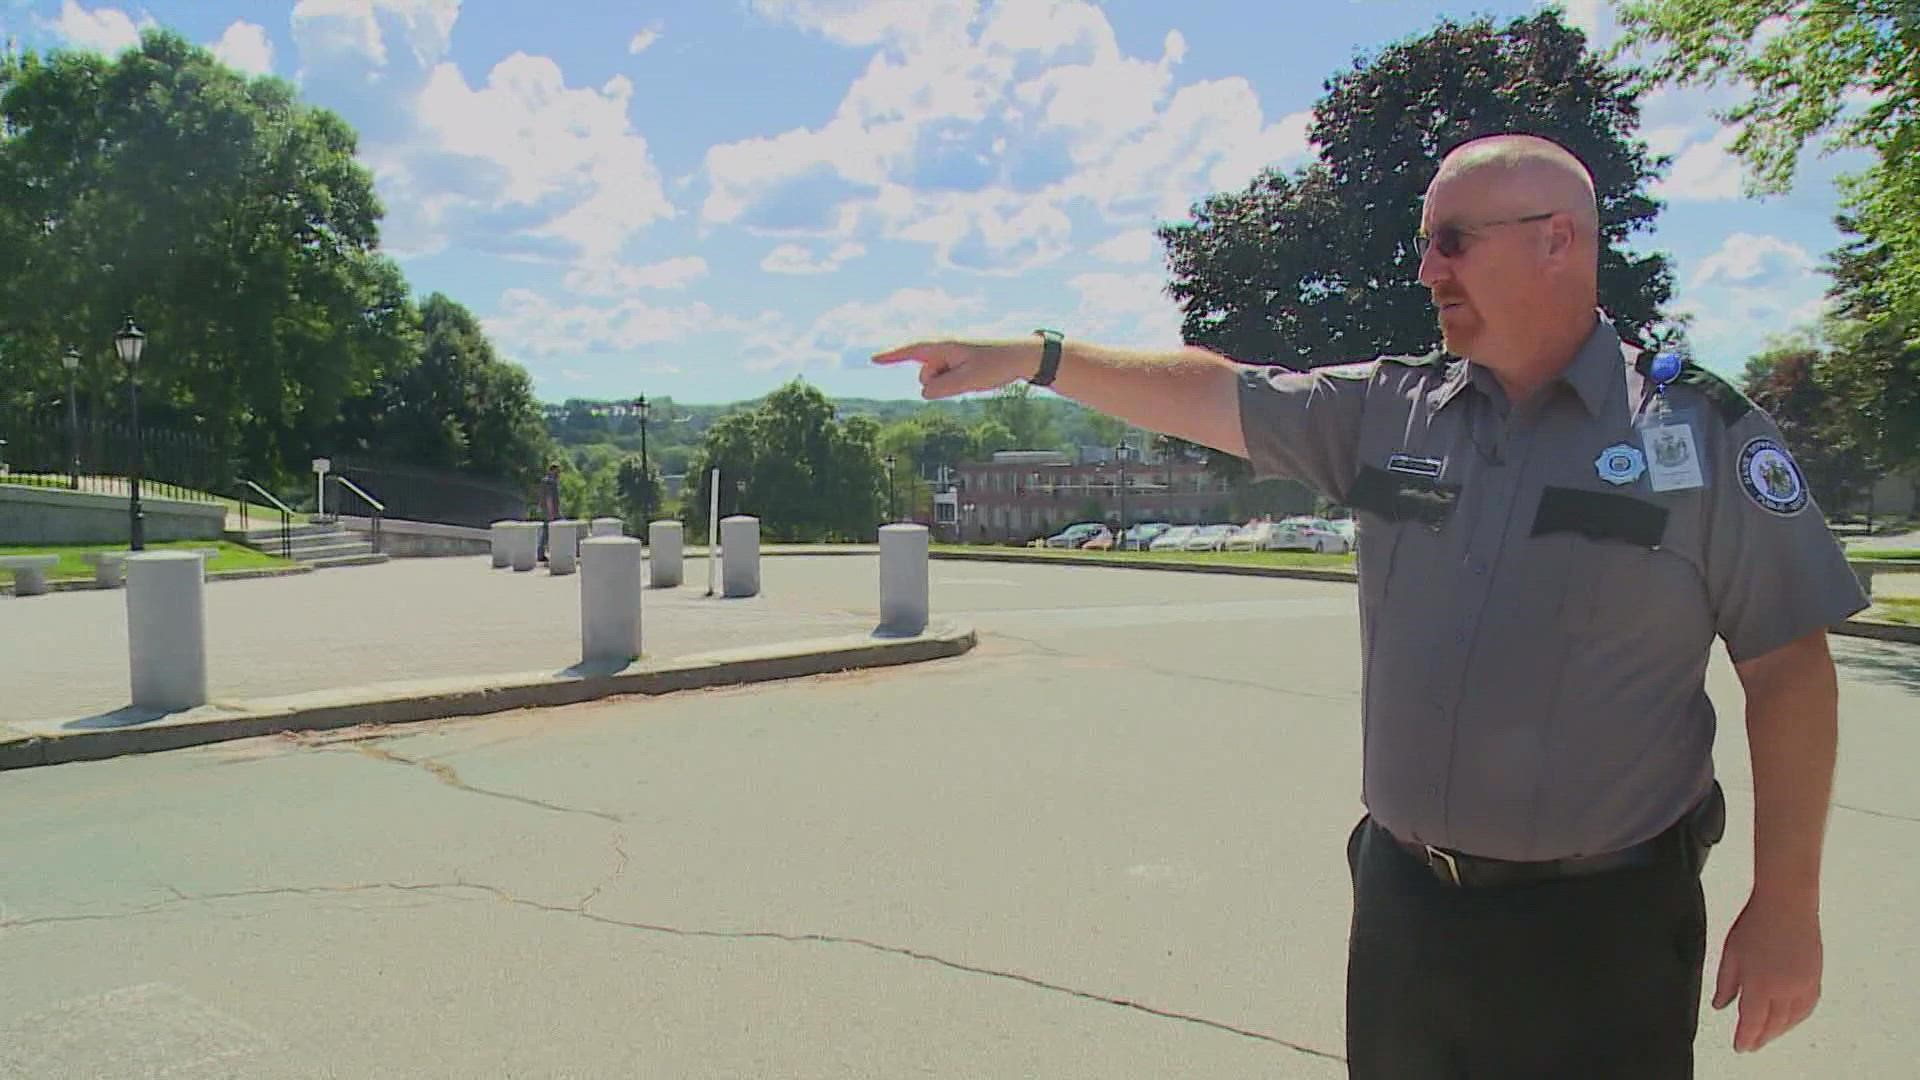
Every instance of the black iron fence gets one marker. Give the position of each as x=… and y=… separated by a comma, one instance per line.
x=412, y=493
x=47, y=451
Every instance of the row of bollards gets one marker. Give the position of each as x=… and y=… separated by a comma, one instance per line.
x=167, y=621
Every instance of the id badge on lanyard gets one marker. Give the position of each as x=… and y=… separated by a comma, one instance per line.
x=1667, y=436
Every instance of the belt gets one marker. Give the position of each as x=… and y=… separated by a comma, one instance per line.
x=1472, y=872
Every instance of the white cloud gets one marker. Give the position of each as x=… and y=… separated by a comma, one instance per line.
x=568, y=155
x=350, y=30
x=1126, y=309
x=1746, y=259
x=848, y=333
x=1592, y=17
x=977, y=136
x=107, y=30
x=608, y=278
x=1704, y=172
x=245, y=47
x=795, y=259
x=1132, y=246
x=644, y=40
x=529, y=324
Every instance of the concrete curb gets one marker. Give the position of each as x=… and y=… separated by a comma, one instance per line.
x=1866, y=628
x=88, y=584
x=56, y=742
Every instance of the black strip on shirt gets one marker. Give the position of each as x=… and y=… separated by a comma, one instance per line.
x=1600, y=515
x=1399, y=497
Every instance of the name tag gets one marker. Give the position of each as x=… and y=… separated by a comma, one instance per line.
x=1416, y=466
x=1673, y=463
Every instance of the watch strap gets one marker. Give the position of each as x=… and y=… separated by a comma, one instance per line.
x=1049, y=357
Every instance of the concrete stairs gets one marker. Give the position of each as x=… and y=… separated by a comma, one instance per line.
x=319, y=546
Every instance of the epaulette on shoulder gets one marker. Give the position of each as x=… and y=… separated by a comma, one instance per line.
x=1437, y=360
x=1726, y=398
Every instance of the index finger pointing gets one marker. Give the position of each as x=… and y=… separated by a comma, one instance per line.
x=900, y=353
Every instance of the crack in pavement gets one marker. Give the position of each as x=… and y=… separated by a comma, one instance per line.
x=447, y=775
x=578, y=911
x=610, y=878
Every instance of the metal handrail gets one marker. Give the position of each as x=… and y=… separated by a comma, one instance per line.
x=379, y=507
x=286, y=516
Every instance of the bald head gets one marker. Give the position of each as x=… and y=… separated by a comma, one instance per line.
x=1527, y=168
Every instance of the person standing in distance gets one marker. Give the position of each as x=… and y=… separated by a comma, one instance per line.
x=1556, y=524
x=549, y=506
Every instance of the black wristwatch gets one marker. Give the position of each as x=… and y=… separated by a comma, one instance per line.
x=1049, y=357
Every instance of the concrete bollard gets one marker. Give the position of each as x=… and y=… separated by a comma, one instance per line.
x=563, y=546
x=167, y=630
x=740, y=556
x=499, y=537
x=609, y=599
x=666, y=538
x=524, y=544
x=903, y=579
x=607, y=526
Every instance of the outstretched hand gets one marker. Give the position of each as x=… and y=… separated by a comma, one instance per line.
x=948, y=368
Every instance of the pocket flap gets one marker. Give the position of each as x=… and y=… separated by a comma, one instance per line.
x=1600, y=515
x=1403, y=497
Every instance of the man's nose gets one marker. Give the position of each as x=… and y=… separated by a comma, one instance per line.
x=1434, y=267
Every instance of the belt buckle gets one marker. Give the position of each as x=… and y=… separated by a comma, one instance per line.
x=1434, y=855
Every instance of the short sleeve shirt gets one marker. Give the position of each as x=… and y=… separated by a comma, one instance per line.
x=1536, y=618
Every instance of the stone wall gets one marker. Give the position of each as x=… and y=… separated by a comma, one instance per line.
x=421, y=539
x=31, y=515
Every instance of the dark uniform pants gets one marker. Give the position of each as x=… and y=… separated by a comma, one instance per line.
x=1594, y=976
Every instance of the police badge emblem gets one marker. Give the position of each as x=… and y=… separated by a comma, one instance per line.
x=1620, y=464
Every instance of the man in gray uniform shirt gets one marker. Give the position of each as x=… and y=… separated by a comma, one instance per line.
x=1554, y=526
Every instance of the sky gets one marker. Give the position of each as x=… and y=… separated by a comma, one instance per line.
x=705, y=199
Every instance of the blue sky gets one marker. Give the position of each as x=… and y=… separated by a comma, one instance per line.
x=706, y=198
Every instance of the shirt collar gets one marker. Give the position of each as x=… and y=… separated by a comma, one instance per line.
x=1592, y=374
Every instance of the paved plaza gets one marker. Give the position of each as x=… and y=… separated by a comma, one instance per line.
x=1107, y=843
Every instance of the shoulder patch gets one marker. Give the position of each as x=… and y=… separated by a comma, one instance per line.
x=1726, y=398
x=1770, y=477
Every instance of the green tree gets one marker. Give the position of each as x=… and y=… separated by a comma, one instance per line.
x=991, y=436
x=640, y=491
x=457, y=406
x=1847, y=72
x=1319, y=267
x=1785, y=381
x=229, y=219
x=805, y=474
x=1024, y=415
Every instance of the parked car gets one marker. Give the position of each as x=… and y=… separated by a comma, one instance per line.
x=1348, y=528
x=1309, y=534
x=1099, y=541
x=1140, y=536
x=1256, y=537
x=1074, y=535
x=1174, y=539
x=1210, y=538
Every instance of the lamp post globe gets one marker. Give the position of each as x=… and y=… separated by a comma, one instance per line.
x=129, y=342
x=71, y=361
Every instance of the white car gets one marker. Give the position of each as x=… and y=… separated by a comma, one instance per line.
x=1174, y=539
x=1209, y=538
x=1347, y=528
x=1309, y=534
x=1256, y=537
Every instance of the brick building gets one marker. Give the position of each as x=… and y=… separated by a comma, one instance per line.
x=1022, y=494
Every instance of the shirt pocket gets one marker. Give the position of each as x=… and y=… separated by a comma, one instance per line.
x=1620, y=568
x=1390, y=504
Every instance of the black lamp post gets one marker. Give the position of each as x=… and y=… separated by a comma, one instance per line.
x=1120, y=457
x=646, y=482
x=71, y=361
x=892, y=514
x=130, y=343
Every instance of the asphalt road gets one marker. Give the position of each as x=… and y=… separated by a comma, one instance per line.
x=1105, y=844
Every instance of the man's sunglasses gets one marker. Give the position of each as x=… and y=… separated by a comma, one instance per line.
x=1450, y=240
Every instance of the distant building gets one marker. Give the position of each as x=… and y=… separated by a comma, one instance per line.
x=1022, y=494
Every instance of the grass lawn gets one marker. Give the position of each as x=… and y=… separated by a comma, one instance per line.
x=1200, y=558
x=231, y=557
x=1904, y=610
x=1886, y=553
